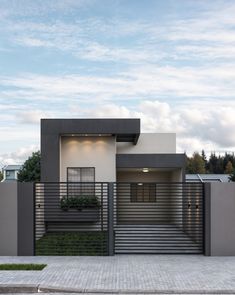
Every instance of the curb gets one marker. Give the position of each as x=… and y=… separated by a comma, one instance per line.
x=18, y=288
x=29, y=288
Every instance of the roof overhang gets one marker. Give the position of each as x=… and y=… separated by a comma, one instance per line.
x=150, y=160
x=125, y=130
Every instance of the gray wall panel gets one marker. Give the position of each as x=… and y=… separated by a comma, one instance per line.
x=150, y=160
x=8, y=219
x=222, y=219
x=25, y=219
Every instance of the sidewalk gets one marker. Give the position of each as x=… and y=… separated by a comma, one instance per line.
x=135, y=274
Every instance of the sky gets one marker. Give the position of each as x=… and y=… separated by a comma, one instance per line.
x=170, y=63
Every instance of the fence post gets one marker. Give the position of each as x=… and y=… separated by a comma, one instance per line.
x=207, y=218
x=110, y=219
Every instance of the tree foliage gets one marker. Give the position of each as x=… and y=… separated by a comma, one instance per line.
x=196, y=164
x=232, y=176
x=1, y=176
x=229, y=168
x=199, y=164
x=30, y=170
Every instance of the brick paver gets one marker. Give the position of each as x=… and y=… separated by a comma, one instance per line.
x=128, y=273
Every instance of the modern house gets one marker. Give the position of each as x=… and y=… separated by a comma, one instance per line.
x=107, y=181
x=10, y=172
x=106, y=188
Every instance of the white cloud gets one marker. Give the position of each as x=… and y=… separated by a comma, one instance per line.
x=138, y=82
x=198, y=126
x=32, y=116
x=42, y=7
x=18, y=156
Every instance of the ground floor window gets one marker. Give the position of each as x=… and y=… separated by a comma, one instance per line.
x=143, y=192
x=81, y=180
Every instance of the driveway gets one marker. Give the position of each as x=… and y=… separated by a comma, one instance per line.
x=127, y=274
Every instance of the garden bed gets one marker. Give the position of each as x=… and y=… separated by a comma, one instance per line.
x=72, y=244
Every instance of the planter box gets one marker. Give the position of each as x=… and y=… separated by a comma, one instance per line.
x=73, y=215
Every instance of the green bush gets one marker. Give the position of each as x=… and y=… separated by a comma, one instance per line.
x=14, y=266
x=72, y=243
x=79, y=202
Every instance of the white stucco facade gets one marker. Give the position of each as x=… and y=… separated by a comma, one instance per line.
x=85, y=151
x=100, y=152
x=150, y=143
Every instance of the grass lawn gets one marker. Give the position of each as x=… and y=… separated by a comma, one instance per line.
x=13, y=266
x=72, y=243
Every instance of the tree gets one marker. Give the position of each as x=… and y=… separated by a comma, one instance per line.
x=229, y=168
x=30, y=170
x=1, y=176
x=232, y=176
x=196, y=164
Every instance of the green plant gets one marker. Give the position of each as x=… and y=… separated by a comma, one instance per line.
x=30, y=170
x=232, y=176
x=79, y=202
x=13, y=266
x=72, y=243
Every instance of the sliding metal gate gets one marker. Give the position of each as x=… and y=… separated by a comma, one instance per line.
x=71, y=218
x=159, y=218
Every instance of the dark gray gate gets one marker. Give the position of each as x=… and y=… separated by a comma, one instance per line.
x=71, y=218
x=159, y=218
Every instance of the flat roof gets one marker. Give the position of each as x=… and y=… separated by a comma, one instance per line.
x=12, y=167
x=125, y=130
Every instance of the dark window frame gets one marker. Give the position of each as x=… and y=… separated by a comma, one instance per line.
x=144, y=193
x=75, y=188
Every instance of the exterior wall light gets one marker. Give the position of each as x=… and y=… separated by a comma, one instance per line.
x=145, y=170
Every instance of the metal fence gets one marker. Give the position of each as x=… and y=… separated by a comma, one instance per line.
x=107, y=218
x=71, y=218
x=159, y=218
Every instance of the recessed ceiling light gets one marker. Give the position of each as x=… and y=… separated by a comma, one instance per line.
x=145, y=170
x=140, y=183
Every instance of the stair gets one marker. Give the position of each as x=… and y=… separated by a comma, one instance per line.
x=154, y=239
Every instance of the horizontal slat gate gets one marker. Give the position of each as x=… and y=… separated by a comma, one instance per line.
x=71, y=218
x=159, y=218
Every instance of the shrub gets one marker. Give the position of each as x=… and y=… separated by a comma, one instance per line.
x=79, y=202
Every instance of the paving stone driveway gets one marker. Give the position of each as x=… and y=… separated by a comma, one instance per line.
x=128, y=273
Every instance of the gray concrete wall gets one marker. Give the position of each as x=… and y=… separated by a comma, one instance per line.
x=25, y=219
x=8, y=219
x=220, y=219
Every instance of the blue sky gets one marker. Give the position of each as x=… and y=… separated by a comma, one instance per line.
x=171, y=63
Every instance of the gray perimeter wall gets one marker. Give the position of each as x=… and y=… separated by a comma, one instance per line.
x=220, y=219
x=16, y=219
x=8, y=219
x=25, y=219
